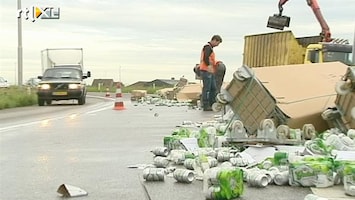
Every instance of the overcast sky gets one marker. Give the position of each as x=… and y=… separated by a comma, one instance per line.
x=154, y=39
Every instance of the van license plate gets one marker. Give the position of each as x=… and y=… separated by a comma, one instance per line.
x=59, y=93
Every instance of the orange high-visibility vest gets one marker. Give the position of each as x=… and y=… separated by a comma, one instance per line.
x=212, y=60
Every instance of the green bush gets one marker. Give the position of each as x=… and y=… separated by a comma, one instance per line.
x=17, y=97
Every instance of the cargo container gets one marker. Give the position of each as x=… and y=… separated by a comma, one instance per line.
x=62, y=57
x=276, y=48
x=283, y=48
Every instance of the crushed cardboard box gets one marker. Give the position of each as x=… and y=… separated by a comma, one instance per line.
x=137, y=94
x=290, y=94
x=189, y=92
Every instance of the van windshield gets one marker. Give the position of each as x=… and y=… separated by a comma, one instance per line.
x=60, y=73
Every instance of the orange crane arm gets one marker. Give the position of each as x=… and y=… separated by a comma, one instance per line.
x=326, y=35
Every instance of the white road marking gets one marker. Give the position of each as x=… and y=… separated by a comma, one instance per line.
x=100, y=107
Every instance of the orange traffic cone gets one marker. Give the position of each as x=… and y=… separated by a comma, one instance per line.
x=107, y=92
x=119, y=102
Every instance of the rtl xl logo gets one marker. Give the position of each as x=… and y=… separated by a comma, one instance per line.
x=33, y=13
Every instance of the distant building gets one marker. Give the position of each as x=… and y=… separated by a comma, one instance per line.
x=155, y=83
x=104, y=83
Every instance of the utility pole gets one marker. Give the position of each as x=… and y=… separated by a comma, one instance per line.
x=19, y=47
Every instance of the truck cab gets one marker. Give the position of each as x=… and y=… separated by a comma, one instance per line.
x=329, y=52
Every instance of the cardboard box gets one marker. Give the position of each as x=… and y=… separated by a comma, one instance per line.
x=290, y=94
x=189, y=92
x=138, y=93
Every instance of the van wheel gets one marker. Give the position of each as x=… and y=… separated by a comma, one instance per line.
x=40, y=102
x=81, y=100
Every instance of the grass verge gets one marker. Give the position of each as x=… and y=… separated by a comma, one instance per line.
x=17, y=97
x=24, y=96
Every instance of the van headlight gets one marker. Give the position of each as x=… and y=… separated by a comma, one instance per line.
x=44, y=86
x=74, y=86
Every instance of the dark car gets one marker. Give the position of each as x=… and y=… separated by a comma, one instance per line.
x=32, y=82
x=62, y=83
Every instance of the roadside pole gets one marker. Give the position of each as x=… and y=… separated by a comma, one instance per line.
x=19, y=47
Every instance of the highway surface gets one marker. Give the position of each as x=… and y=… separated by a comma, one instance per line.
x=91, y=147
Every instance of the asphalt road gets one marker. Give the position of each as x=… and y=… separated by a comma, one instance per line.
x=91, y=147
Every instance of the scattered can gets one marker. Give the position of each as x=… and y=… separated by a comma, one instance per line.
x=161, y=162
x=281, y=178
x=161, y=151
x=211, y=192
x=178, y=156
x=154, y=174
x=190, y=163
x=223, y=156
x=239, y=161
x=212, y=162
x=184, y=175
x=226, y=164
x=257, y=179
x=269, y=174
x=267, y=164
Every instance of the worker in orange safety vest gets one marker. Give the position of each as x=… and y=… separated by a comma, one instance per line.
x=208, y=69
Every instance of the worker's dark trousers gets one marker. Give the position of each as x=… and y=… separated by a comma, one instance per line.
x=219, y=83
x=221, y=71
x=208, y=89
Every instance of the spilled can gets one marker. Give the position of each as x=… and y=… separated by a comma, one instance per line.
x=211, y=176
x=210, y=193
x=154, y=174
x=161, y=162
x=269, y=174
x=256, y=178
x=184, y=175
x=223, y=156
x=226, y=164
x=190, y=163
x=212, y=162
x=267, y=164
x=161, y=151
x=178, y=156
x=239, y=161
x=281, y=178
